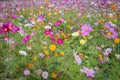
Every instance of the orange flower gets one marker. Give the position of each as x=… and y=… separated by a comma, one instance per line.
x=54, y=75
x=81, y=55
x=29, y=66
x=52, y=47
x=116, y=40
x=113, y=7
x=55, y=54
x=46, y=52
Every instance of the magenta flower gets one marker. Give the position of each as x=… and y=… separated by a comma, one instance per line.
x=26, y=38
x=48, y=32
x=86, y=29
x=114, y=34
x=26, y=72
x=52, y=39
x=60, y=41
x=88, y=72
x=61, y=20
x=8, y=27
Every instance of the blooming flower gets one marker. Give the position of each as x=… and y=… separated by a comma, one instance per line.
x=45, y=74
x=39, y=71
x=86, y=29
x=77, y=58
x=107, y=51
x=26, y=38
x=41, y=55
x=54, y=75
x=117, y=56
x=48, y=32
x=21, y=52
x=75, y=34
x=116, y=40
x=82, y=41
x=26, y=72
x=52, y=47
x=60, y=41
x=88, y=72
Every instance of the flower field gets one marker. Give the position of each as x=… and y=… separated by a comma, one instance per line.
x=60, y=40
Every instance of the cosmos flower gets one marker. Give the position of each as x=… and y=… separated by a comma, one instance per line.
x=77, y=58
x=86, y=29
x=48, y=32
x=26, y=38
x=26, y=72
x=8, y=27
x=107, y=51
x=88, y=72
x=60, y=41
x=45, y=74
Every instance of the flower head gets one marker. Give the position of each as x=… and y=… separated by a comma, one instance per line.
x=26, y=72
x=45, y=74
x=26, y=38
x=88, y=72
x=52, y=47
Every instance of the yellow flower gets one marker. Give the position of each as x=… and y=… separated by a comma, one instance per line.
x=46, y=52
x=54, y=75
x=116, y=40
x=34, y=58
x=45, y=47
x=29, y=66
x=75, y=34
x=82, y=41
x=62, y=53
x=52, y=47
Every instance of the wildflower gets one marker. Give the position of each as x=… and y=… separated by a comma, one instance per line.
x=54, y=75
x=62, y=53
x=41, y=55
x=21, y=52
x=82, y=41
x=8, y=27
x=75, y=34
x=41, y=18
x=88, y=72
x=61, y=20
x=117, y=56
x=77, y=58
x=60, y=41
x=116, y=40
x=55, y=54
x=52, y=47
x=45, y=74
x=47, y=27
x=29, y=66
x=26, y=72
x=48, y=32
x=34, y=58
x=46, y=52
x=26, y=38
x=39, y=71
x=113, y=7
x=86, y=29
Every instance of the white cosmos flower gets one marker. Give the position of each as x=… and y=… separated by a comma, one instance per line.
x=21, y=52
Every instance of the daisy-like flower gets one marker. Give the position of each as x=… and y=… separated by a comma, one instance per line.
x=88, y=72
x=86, y=29
x=26, y=38
x=82, y=41
x=41, y=55
x=21, y=52
x=26, y=72
x=107, y=51
x=45, y=74
x=77, y=58
x=75, y=34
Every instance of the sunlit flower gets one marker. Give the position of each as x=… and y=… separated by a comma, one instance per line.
x=52, y=47
x=75, y=34
x=82, y=41
x=116, y=40
x=29, y=66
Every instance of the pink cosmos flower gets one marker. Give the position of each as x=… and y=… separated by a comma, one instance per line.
x=8, y=27
x=88, y=72
x=60, y=41
x=61, y=20
x=86, y=29
x=26, y=38
x=26, y=72
x=48, y=32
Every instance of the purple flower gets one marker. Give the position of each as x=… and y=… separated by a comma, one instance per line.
x=86, y=29
x=88, y=72
x=41, y=18
x=26, y=38
x=113, y=34
x=77, y=58
x=26, y=72
x=107, y=51
x=41, y=55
